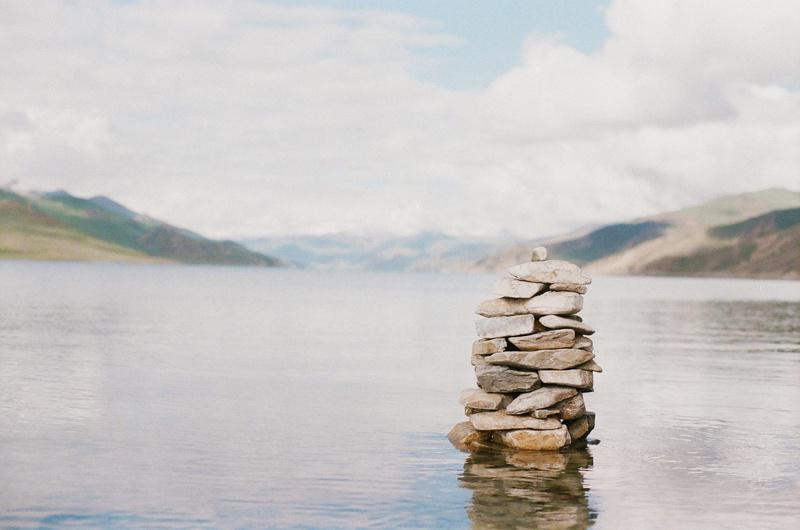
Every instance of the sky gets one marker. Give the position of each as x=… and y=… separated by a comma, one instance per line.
x=503, y=118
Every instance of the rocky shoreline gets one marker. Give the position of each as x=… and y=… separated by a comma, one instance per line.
x=533, y=361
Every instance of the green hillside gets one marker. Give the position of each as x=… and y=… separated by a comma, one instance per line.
x=60, y=226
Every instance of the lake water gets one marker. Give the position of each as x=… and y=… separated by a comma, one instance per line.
x=173, y=397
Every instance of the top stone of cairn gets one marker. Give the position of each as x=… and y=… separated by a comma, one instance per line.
x=539, y=254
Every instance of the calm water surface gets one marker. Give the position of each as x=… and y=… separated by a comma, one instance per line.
x=161, y=397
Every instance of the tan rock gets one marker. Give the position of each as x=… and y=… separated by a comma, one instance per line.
x=571, y=408
x=532, y=440
x=476, y=360
x=502, y=379
x=572, y=287
x=548, y=340
x=539, y=254
x=575, y=378
x=591, y=366
x=550, y=271
x=581, y=427
x=558, y=322
x=545, y=413
x=502, y=307
x=584, y=343
x=514, y=288
x=476, y=398
x=490, y=328
x=465, y=437
x=541, y=359
x=541, y=398
x=500, y=421
x=488, y=347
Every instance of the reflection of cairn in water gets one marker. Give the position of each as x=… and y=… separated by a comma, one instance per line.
x=533, y=361
x=528, y=489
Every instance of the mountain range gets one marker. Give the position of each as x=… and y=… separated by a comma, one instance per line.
x=747, y=235
x=60, y=226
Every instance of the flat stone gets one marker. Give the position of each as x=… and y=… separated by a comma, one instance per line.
x=574, y=378
x=572, y=287
x=490, y=328
x=591, y=366
x=465, y=437
x=550, y=271
x=476, y=398
x=581, y=427
x=502, y=307
x=488, y=347
x=539, y=254
x=532, y=440
x=584, y=343
x=501, y=379
x=558, y=322
x=500, y=421
x=514, y=288
x=548, y=340
x=476, y=360
x=545, y=413
x=554, y=303
x=541, y=359
x=570, y=408
x=541, y=398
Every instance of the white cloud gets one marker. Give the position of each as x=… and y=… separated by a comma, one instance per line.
x=245, y=118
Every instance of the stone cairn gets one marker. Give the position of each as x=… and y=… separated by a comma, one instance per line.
x=533, y=361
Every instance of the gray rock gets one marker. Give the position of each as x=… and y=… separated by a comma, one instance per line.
x=532, y=440
x=574, y=378
x=571, y=408
x=502, y=379
x=549, y=303
x=541, y=359
x=541, y=398
x=488, y=347
x=548, y=340
x=554, y=303
x=559, y=322
x=550, y=271
x=500, y=421
x=513, y=288
x=572, y=287
x=476, y=398
x=465, y=437
x=539, y=254
x=490, y=328
x=591, y=366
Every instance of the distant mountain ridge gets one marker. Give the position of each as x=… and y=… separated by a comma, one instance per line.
x=61, y=226
x=426, y=251
x=746, y=235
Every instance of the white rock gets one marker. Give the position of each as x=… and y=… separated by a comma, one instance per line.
x=513, y=288
x=550, y=271
x=557, y=322
x=555, y=303
x=490, y=328
x=539, y=254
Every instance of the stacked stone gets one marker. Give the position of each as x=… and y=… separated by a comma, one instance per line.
x=533, y=361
